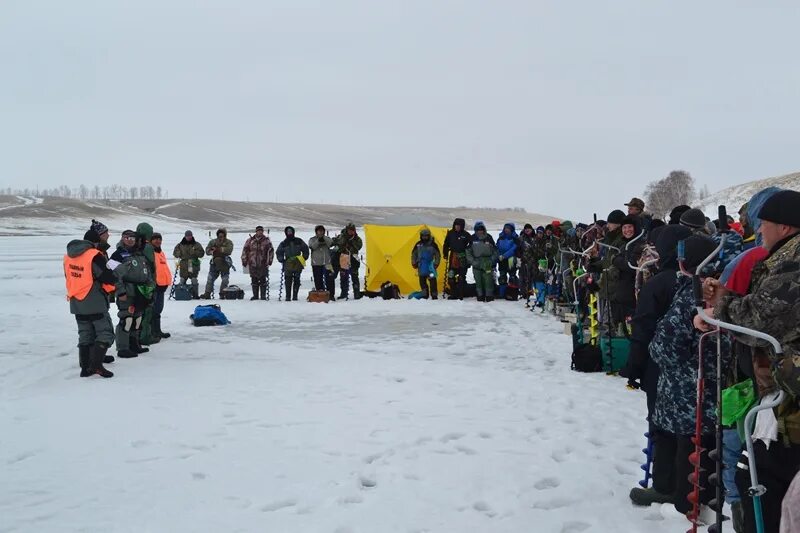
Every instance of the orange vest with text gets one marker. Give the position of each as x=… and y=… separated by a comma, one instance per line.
x=78, y=271
x=163, y=275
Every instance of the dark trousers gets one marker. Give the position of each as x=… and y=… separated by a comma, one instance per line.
x=345, y=277
x=671, y=467
x=428, y=286
x=776, y=468
x=505, y=272
x=323, y=280
x=158, y=302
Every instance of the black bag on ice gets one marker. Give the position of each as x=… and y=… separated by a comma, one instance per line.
x=587, y=358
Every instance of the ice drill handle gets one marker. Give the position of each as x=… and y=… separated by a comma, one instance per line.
x=697, y=288
x=723, y=219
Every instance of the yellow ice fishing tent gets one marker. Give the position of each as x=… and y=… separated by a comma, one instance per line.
x=389, y=256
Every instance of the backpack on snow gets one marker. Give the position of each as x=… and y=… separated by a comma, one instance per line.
x=587, y=358
x=182, y=292
x=390, y=291
x=208, y=315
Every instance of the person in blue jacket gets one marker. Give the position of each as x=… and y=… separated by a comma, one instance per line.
x=425, y=258
x=507, y=245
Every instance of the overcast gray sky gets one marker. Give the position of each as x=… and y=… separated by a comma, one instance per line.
x=561, y=107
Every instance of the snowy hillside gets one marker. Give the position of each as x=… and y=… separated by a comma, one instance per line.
x=734, y=197
x=368, y=416
x=30, y=215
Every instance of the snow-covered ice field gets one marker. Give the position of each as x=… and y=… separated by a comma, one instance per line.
x=368, y=416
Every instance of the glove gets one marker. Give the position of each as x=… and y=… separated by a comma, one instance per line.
x=415, y=266
x=502, y=258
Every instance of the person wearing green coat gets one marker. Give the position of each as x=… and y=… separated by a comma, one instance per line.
x=144, y=233
x=189, y=252
x=220, y=250
x=345, y=250
x=482, y=256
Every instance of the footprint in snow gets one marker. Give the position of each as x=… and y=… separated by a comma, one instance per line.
x=198, y=476
x=278, y=505
x=547, y=483
x=451, y=436
x=367, y=482
x=555, y=503
x=485, y=435
x=349, y=500
x=575, y=527
x=465, y=450
x=485, y=508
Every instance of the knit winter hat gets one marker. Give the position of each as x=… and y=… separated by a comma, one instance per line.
x=540, y=229
x=319, y=228
x=695, y=249
x=693, y=218
x=188, y=233
x=156, y=236
x=782, y=208
x=259, y=228
x=425, y=233
x=616, y=217
x=479, y=225
x=98, y=227
x=92, y=236
x=675, y=214
x=527, y=226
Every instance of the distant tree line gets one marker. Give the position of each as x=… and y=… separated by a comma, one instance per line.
x=82, y=192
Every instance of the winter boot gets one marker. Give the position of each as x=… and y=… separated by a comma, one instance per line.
x=288, y=284
x=157, y=329
x=205, y=296
x=295, y=290
x=263, y=291
x=649, y=496
x=255, y=293
x=489, y=299
x=98, y=354
x=194, y=291
x=481, y=298
x=136, y=346
x=127, y=354
x=356, y=289
x=85, y=360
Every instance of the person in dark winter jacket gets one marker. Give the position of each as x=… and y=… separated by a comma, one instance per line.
x=135, y=290
x=654, y=301
x=507, y=245
x=674, y=349
x=529, y=261
x=482, y=256
x=345, y=249
x=89, y=283
x=189, y=252
x=456, y=243
x=425, y=258
x=220, y=250
x=320, y=245
x=623, y=300
x=292, y=254
x=257, y=257
x=163, y=280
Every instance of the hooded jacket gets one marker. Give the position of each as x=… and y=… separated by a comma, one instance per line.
x=189, y=254
x=135, y=279
x=625, y=287
x=507, y=244
x=145, y=232
x=258, y=252
x=96, y=302
x=425, y=256
x=220, y=249
x=457, y=242
x=654, y=300
x=290, y=249
x=482, y=252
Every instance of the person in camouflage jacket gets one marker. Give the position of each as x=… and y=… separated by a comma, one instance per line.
x=674, y=348
x=257, y=257
x=482, y=257
x=772, y=306
x=189, y=252
x=220, y=250
x=529, y=260
x=347, y=243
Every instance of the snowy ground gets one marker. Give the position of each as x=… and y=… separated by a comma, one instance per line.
x=367, y=416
